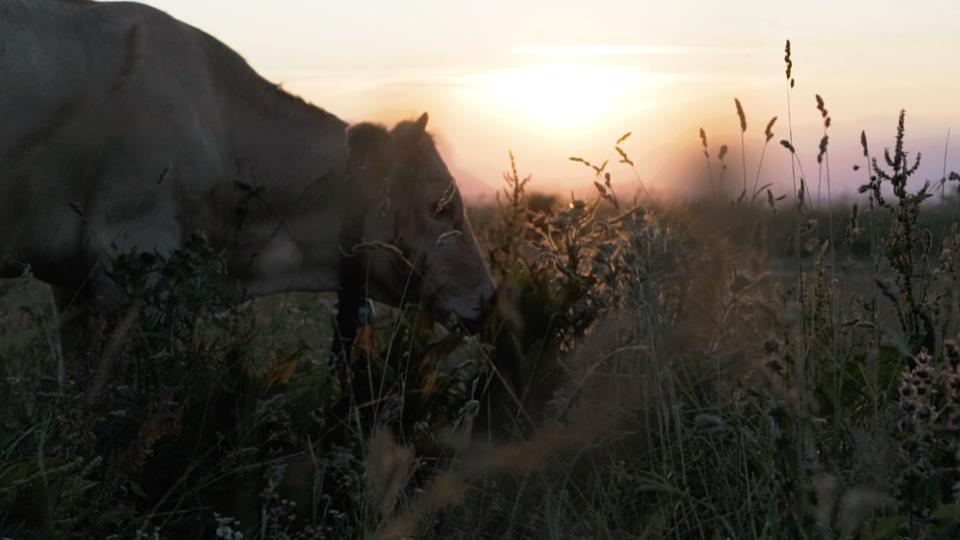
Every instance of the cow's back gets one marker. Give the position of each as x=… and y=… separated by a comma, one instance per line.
x=99, y=102
x=71, y=55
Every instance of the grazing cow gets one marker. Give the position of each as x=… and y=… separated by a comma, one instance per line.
x=124, y=129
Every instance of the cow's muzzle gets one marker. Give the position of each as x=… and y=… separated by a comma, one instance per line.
x=475, y=322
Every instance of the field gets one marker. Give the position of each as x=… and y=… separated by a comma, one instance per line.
x=747, y=364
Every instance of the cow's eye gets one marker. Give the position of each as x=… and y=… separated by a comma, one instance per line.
x=443, y=209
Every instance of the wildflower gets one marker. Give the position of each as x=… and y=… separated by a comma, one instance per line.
x=710, y=424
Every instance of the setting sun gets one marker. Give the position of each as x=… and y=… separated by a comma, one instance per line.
x=565, y=95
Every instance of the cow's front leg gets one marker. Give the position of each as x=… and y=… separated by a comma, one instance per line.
x=93, y=331
x=82, y=327
x=149, y=238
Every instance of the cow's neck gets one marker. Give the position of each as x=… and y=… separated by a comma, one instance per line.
x=290, y=199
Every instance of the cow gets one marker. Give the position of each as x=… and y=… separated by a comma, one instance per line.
x=123, y=129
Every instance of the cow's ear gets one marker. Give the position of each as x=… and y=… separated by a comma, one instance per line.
x=420, y=126
x=368, y=144
x=409, y=134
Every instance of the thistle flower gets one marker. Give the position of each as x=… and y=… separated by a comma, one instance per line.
x=916, y=392
x=952, y=354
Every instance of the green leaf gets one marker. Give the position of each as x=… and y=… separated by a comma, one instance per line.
x=947, y=512
x=137, y=490
x=884, y=528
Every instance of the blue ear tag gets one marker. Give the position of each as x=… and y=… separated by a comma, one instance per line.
x=366, y=313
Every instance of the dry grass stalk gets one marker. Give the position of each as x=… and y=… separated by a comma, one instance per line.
x=520, y=458
x=388, y=466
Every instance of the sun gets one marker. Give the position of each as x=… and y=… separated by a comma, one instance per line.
x=563, y=94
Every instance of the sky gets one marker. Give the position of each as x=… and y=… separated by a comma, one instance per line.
x=552, y=79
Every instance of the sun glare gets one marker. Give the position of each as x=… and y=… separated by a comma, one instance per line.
x=565, y=95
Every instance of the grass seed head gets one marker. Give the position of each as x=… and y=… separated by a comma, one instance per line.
x=768, y=132
x=787, y=59
x=741, y=115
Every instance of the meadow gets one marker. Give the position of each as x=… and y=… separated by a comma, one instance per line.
x=749, y=363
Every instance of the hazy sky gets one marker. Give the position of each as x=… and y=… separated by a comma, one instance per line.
x=550, y=79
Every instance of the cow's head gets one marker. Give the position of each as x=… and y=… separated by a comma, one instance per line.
x=412, y=203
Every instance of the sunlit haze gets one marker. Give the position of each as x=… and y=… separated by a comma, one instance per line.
x=552, y=79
